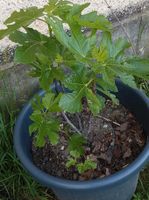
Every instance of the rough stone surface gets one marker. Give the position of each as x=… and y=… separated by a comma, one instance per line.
x=16, y=85
x=137, y=28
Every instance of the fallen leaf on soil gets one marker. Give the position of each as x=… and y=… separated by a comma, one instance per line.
x=127, y=153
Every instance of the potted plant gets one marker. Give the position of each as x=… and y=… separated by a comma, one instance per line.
x=77, y=136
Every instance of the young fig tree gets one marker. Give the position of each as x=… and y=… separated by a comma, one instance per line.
x=79, y=65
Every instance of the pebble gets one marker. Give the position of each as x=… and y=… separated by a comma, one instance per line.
x=105, y=126
x=62, y=148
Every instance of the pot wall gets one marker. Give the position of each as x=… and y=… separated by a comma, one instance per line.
x=119, y=186
x=122, y=191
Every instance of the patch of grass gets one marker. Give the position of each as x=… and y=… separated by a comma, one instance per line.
x=142, y=192
x=144, y=85
x=15, y=183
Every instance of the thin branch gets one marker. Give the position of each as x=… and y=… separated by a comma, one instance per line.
x=108, y=120
x=71, y=124
x=89, y=128
x=79, y=121
x=122, y=26
x=141, y=29
x=113, y=138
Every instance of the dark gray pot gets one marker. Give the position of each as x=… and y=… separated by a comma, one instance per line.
x=119, y=186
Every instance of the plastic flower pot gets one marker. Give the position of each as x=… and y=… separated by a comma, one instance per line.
x=119, y=186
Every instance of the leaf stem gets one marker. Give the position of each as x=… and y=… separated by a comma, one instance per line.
x=79, y=121
x=108, y=120
x=70, y=123
x=90, y=124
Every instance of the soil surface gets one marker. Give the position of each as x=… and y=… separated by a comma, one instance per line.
x=115, y=139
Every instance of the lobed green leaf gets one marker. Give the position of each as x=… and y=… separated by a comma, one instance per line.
x=23, y=18
x=76, y=145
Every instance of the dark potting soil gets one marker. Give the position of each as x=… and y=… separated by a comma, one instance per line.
x=115, y=139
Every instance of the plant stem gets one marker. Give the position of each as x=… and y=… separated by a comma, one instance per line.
x=89, y=128
x=79, y=121
x=70, y=123
x=122, y=26
x=108, y=120
x=140, y=32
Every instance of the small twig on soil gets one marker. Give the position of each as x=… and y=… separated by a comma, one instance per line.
x=108, y=120
x=79, y=120
x=122, y=26
x=70, y=123
x=89, y=127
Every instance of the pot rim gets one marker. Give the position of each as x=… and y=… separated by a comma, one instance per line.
x=52, y=181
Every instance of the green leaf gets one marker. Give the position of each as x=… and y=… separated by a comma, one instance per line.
x=76, y=145
x=59, y=32
x=101, y=54
x=71, y=162
x=36, y=116
x=77, y=82
x=18, y=37
x=44, y=125
x=20, y=19
x=34, y=43
x=128, y=80
x=107, y=81
x=31, y=35
x=53, y=137
x=109, y=95
x=87, y=165
x=48, y=75
x=46, y=129
x=77, y=9
x=95, y=104
x=48, y=100
x=52, y=126
x=58, y=8
x=40, y=138
x=120, y=45
x=95, y=21
x=33, y=128
x=25, y=54
x=75, y=154
x=71, y=102
x=137, y=66
x=109, y=77
x=106, y=43
x=114, y=49
x=37, y=104
x=77, y=79
x=77, y=43
x=106, y=88
x=51, y=102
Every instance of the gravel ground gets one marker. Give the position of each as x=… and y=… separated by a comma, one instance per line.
x=8, y=6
